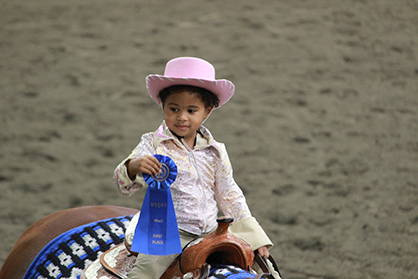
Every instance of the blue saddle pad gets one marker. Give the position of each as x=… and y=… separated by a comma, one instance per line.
x=70, y=253
x=229, y=272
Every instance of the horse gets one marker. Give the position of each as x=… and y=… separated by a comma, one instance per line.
x=48, y=233
x=37, y=236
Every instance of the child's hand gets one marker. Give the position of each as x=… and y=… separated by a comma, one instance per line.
x=263, y=251
x=146, y=164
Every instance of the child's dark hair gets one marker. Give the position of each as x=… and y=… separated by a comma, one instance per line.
x=208, y=98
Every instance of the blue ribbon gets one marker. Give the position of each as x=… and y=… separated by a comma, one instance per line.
x=157, y=232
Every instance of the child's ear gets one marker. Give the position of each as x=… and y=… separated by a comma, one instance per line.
x=208, y=111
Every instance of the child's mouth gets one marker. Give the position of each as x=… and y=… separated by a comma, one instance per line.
x=181, y=127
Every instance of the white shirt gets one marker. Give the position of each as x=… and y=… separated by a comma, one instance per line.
x=204, y=173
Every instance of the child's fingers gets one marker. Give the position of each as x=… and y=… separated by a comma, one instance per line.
x=150, y=165
x=263, y=251
x=156, y=165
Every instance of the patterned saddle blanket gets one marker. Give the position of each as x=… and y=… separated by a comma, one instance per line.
x=69, y=254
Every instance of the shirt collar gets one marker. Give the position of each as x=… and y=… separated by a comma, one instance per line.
x=204, y=138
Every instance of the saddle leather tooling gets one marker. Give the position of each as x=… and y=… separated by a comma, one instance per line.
x=218, y=247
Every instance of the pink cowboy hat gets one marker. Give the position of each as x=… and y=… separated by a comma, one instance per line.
x=190, y=71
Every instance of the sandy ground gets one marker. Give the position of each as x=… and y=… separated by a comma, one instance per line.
x=322, y=131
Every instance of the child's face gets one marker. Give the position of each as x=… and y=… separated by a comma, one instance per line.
x=184, y=112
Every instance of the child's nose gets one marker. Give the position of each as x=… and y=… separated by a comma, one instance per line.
x=181, y=116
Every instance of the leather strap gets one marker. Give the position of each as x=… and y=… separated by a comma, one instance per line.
x=262, y=262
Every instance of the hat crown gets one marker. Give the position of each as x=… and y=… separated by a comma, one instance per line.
x=189, y=67
x=190, y=71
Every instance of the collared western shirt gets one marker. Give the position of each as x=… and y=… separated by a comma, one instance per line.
x=204, y=178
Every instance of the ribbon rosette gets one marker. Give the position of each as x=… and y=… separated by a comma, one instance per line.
x=166, y=177
x=157, y=232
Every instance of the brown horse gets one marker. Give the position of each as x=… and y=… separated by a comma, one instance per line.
x=46, y=229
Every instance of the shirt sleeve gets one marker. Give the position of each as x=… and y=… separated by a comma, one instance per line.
x=233, y=204
x=120, y=176
x=228, y=194
x=250, y=231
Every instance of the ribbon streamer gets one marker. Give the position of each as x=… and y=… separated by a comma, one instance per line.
x=157, y=232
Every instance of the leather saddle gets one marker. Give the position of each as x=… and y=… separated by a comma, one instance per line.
x=218, y=247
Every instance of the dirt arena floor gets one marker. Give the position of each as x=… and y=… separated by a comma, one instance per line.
x=322, y=131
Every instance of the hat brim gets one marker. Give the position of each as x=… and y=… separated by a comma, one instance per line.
x=222, y=88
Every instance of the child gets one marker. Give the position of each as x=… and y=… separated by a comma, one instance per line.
x=187, y=94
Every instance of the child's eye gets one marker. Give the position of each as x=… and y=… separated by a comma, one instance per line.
x=192, y=111
x=174, y=109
